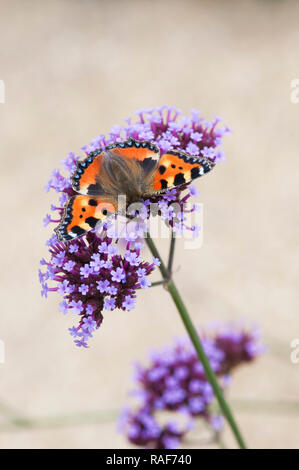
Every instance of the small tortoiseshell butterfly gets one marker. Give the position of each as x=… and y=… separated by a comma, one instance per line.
x=132, y=168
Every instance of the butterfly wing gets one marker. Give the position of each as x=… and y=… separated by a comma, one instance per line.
x=177, y=167
x=145, y=153
x=81, y=214
x=85, y=177
x=99, y=179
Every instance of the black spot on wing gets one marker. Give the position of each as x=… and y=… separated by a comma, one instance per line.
x=92, y=202
x=162, y=169
x=78, y=230
x=195, y=172
x=92, y=221
x=179, y=179
x=163, y=184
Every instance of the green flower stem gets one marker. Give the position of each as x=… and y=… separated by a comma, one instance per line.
x=170, y=285
x=155, y=253
x=158, y=283
x=171, y=254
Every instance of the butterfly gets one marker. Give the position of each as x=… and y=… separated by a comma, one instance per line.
x=133, y=168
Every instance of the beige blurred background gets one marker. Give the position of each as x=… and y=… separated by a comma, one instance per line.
x=72, y=70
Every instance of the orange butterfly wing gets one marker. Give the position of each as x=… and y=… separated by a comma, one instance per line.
x=83, y=211
x=84, y=179
x=145, y=152
x=177, y=167
x=81, y=214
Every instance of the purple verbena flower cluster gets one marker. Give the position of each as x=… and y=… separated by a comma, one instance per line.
x=175, y=381
x=169, y=130
x=90, y=273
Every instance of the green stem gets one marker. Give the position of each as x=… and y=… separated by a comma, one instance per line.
x=171, y=253
x=158, y=283
x=155, y=253
x=197, y=344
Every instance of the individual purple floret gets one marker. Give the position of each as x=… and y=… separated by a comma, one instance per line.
x=175, y=380
x=91, y=270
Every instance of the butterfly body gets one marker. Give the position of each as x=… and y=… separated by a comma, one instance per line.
x=132, y=168
x=125, y=176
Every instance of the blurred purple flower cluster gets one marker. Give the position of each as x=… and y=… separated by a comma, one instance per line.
x=143, y=429
x=90, y=273
x=175, y=381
